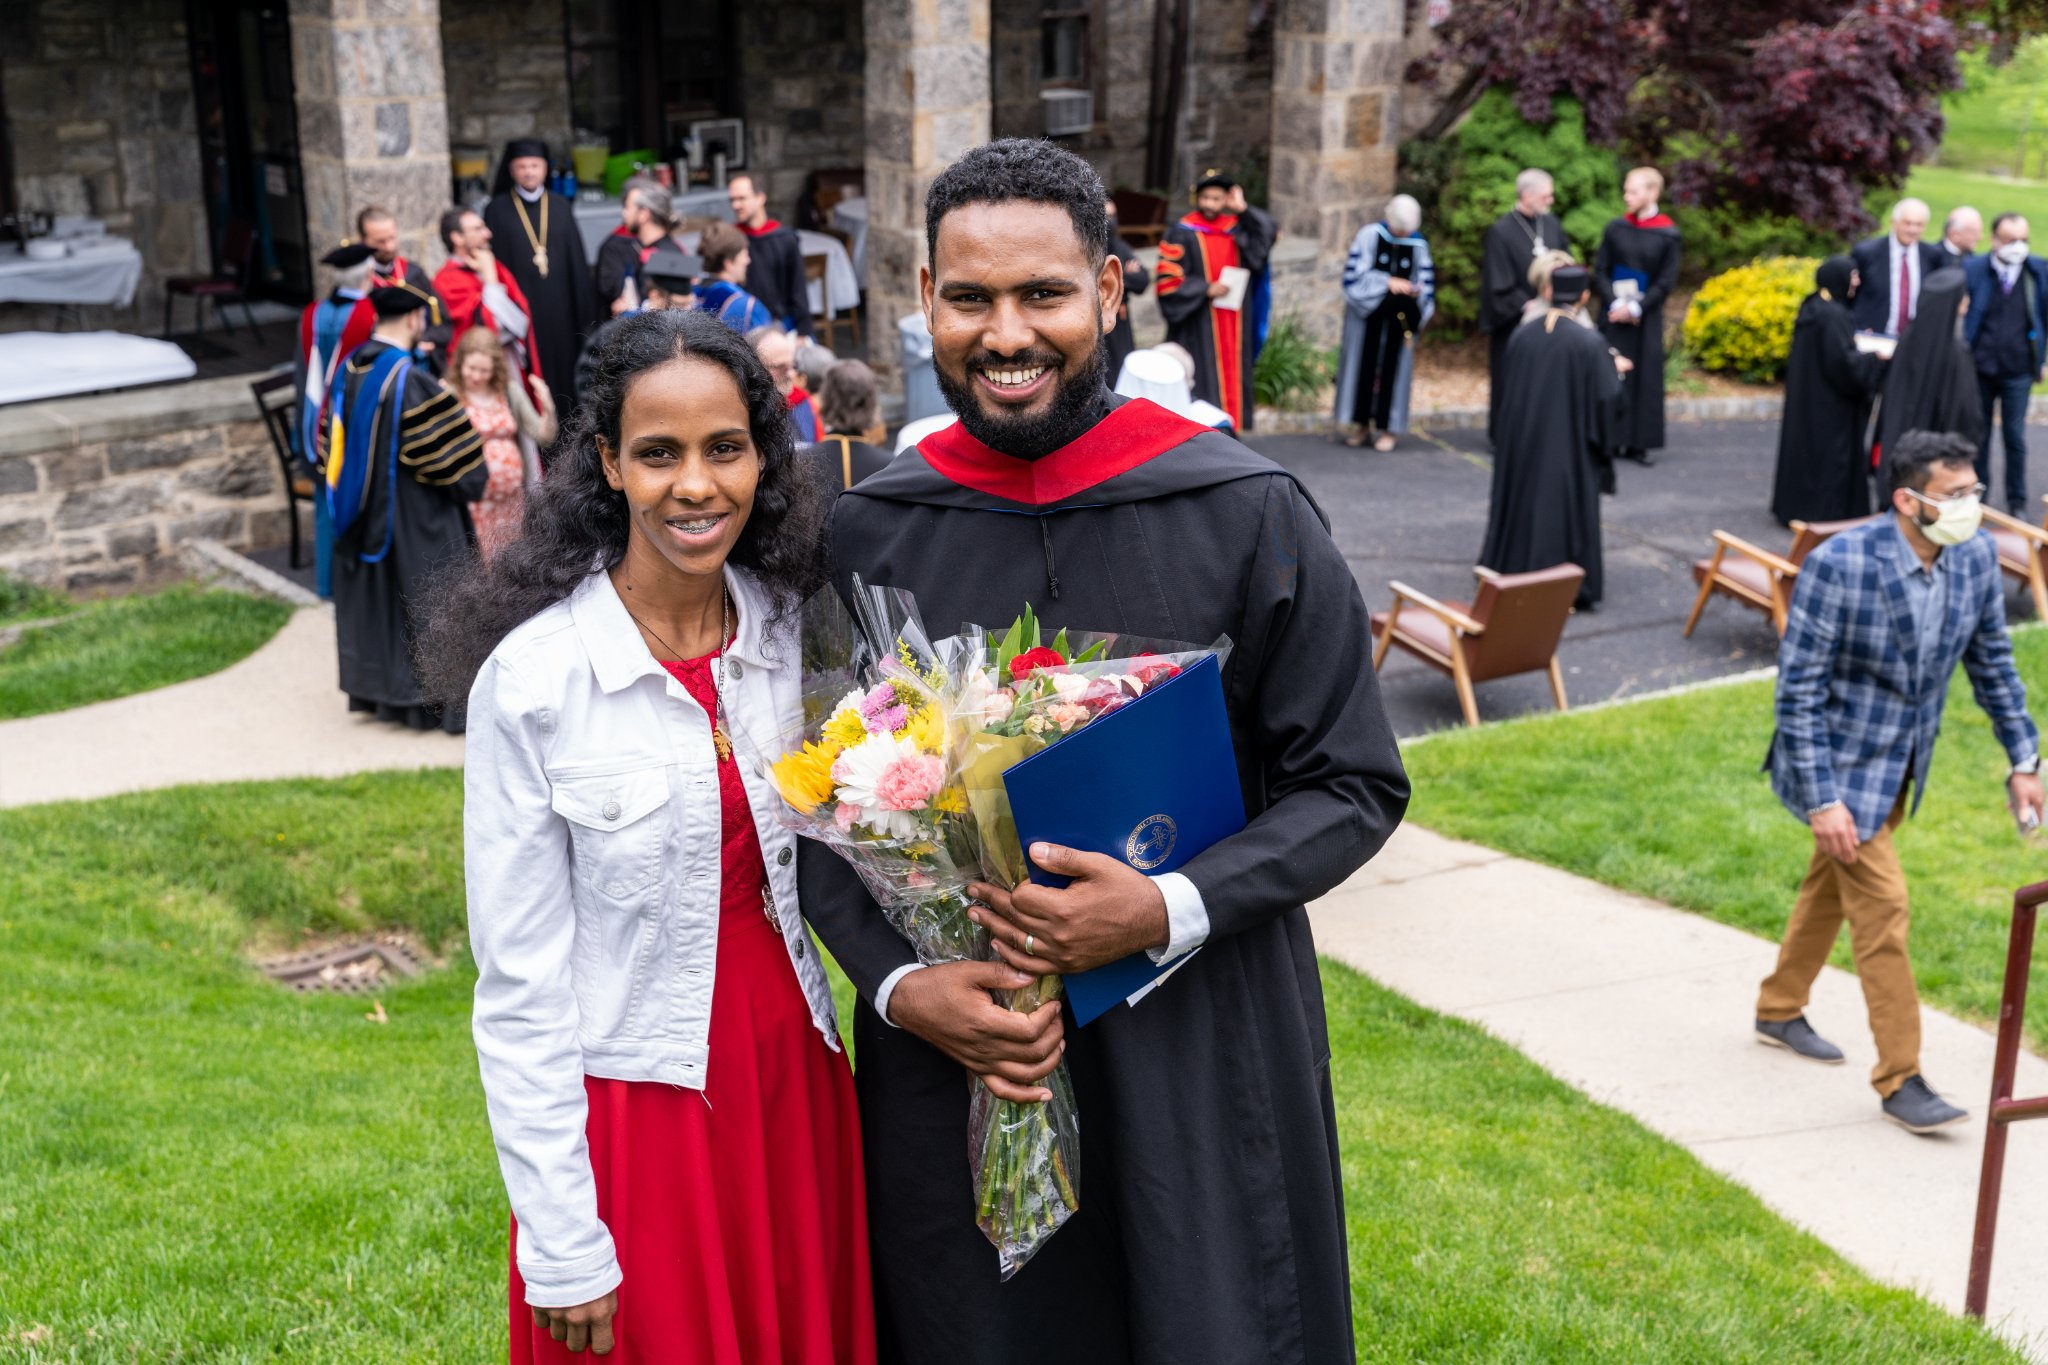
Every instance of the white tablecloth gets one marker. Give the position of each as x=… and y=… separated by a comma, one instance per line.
x=103, y=270
x=597, y=219
x=50, y=364
x=841, y=286
x=851, y=217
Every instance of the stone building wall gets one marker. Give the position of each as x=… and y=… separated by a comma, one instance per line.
x=803, y=68
x=1228, y=114
x=101, y=118
x=507, y=73
x=107, y=508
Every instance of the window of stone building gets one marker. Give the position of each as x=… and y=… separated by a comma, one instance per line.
x=640, y=74
x=1063, y=48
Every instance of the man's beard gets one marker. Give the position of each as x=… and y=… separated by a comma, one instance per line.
x=1072, y=411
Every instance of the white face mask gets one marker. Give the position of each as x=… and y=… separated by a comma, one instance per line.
x=1957, y=521
x=2012, y=253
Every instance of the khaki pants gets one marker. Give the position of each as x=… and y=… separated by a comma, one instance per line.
x=1871, y=895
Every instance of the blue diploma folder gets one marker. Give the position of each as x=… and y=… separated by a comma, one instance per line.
x=1154, y=784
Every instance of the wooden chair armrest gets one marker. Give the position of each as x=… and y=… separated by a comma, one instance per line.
x=1450, y=616
x=1775, y=563
x=2005, y=522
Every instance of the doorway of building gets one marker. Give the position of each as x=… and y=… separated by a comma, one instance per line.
x=249, y=145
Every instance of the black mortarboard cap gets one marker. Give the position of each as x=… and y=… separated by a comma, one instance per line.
x=396, y=301
x=525, y=146
x=1215, y=179
x=1568, y=283
x=672, y=270
x=346, y=255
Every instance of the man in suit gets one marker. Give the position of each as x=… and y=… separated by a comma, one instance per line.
x=2006, y=328
x=1892, y=267
x=1881, y=616
x=1960, y=233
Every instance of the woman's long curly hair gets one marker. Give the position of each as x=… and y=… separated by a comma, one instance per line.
x=576, y=522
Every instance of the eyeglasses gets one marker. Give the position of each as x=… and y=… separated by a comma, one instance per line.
x=1975, y=490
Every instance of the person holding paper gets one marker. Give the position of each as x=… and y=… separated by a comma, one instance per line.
x=1823, y=471
x=1208, y=263
x=1211, y=1222
x=1633, y=273
x=1881, y=615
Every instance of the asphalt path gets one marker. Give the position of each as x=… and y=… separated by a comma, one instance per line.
x=1418, y=514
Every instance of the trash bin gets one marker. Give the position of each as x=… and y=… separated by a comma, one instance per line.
x=921, y=396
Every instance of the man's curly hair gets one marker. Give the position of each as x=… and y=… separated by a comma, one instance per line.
x=1014, y=168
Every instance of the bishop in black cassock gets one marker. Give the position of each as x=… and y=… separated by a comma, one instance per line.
x=1555, y=418
x=414, y=518
x=533, y=231
x=1512, y=245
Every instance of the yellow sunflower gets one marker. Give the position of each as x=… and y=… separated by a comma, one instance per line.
x=845, y=729
x=804, y=777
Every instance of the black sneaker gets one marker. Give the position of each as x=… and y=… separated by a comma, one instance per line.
x=1916, y=1108
x=1797, y=1037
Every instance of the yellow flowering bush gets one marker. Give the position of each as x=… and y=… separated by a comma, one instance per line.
x=1740, y=322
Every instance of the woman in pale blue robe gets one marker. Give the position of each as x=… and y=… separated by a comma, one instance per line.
x=1389, y=297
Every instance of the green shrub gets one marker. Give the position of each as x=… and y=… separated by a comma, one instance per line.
x=1292, y=370
x=1718, y=239
x=1740, y=322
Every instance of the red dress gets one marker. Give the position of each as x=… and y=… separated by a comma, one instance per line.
x=739, y=1213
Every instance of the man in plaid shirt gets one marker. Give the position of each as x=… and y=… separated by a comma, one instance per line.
x=1881, y=616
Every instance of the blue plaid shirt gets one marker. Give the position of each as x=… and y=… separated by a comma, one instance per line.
x=1862, y=674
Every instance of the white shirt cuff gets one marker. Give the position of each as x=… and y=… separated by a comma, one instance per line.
x=1187, y=918
x=888, y=988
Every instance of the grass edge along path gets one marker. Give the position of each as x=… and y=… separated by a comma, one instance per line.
x=124, y=645
x=201, y=1166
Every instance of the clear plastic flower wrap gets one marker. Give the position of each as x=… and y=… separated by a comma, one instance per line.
x=898, y=767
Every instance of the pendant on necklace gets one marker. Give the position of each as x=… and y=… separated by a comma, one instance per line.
x=721, y=742
x=540, y=262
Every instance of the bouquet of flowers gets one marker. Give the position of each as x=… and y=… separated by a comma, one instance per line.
x=898, y=768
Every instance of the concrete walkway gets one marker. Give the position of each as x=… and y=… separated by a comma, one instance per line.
x=1648, y=1009
x=275, y=714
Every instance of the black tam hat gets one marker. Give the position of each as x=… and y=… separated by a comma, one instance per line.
x=1568, y=284
x=516, y=148
x=1214, y=179
x=346, y=257
x=672, y=271
x=396, y=302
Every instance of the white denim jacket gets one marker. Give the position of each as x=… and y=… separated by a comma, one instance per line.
x=591, y=843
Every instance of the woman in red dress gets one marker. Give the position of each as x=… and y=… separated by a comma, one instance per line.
x=513, y=430
x=673, y=1115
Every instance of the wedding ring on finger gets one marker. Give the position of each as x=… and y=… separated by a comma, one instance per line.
x=1027, y=945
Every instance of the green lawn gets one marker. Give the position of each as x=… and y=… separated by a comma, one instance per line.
x=131, y=644
x=1998, y=123
x=1665, y=798
x=201, y=1167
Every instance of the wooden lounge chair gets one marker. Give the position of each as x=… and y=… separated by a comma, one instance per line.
x=1754, y=576
x=2021, y=547
x=276, y=399
x=1512, y=626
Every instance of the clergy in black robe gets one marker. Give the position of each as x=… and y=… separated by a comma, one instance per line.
x=1554, y=419
x=1634, y=271
x=1823, y=469
x=1193, y=255
x=1137, y=280
x=1514, y=242
x=533, y=231
x=414, y=517
x=1211, y=1222
x=1931, y=382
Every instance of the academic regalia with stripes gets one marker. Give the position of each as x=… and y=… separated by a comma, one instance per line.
x=1192, y=256
x=414, y=519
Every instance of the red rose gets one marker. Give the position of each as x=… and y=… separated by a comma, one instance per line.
x=1031, y=660
x=1151, y=674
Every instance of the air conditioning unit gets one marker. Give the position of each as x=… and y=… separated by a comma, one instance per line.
x=1068, y=112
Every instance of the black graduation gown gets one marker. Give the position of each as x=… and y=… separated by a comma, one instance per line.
x=775, y=275
x=1823, y=471
x=1188, y=264
x=1930, y=383
x=563, y=305
x=1554, y=419
x=1211, y=1223
x=1652, y=251
x=440, y=472
x=618, y=260
x=1137, y=279
x=1510, y=249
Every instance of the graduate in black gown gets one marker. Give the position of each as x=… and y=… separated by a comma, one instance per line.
x=1555, y=417
x=775, y=256
x=534, y=232
x=1211, y=1224
x=1222, y=232
x=1514, y=242
x=1633, y=273
x=1137, y=280
x=414, y=516
x=1931, y=382
x=1823, y=469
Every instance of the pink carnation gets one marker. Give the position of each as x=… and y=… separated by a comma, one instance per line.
x=908, y=783
x=844, y=816
x=1068, y=715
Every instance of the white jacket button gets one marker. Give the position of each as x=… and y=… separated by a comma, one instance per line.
x=783, y=857
x=734, y=670
x=611, y=810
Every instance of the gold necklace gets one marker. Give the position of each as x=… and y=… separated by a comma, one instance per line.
x=720, y=739
x=540, y=240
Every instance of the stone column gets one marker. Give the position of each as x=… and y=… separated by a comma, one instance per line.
x=1336, y=124
x=373, y=119
x=927, y=103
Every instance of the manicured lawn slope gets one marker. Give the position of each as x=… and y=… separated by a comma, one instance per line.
x=133, y=644
x=201, y=1167
x=1665, y=798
